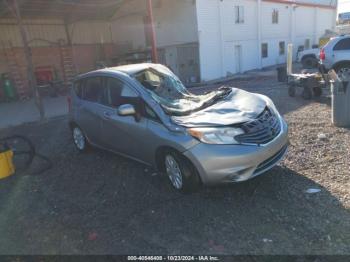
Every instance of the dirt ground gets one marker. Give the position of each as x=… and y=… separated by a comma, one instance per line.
x=100, y=203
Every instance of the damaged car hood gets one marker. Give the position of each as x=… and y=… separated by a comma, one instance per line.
x=238, y=107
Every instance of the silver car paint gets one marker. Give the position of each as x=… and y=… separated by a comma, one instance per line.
x=234, y=163
x=141, y=140
x=334, y=57
x=239, y=107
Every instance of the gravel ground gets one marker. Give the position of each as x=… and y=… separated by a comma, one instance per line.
x=100, y=203
x=318, y=150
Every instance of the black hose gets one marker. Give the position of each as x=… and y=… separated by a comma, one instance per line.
x=31, y=152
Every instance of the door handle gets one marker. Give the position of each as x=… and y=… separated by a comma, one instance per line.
x=107, y=115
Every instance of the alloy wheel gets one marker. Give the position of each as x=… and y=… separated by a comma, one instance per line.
x=344, y=73
x=173, y=171
x=79, y=138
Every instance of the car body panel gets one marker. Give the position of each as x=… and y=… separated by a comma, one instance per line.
x=238, y=107
x=335, y=57
x=314, y=52
x=90, y=120
x=234, y=163
x=141, y=138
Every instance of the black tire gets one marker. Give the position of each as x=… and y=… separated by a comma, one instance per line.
x=344, y=67
x=309, y=62
x=189, y=175
x=291, y=90
x=83, y=145
x=307, y=93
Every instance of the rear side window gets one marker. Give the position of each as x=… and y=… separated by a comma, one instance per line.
x=93, y=90
x=343, y=44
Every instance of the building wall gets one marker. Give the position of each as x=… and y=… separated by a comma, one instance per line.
x=220, y=38
x=176, y=29
x=91, y=32
x=39, y=29
x=175, y=23
x=210, y=39
x=92, y=41
x=46, y=32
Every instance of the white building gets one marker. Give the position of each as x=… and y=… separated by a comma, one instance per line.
x=208, y=39
x=197, y=39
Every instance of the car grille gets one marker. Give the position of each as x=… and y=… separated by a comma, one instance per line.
x=261, y=130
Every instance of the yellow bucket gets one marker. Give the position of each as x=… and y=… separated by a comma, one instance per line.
x=6, y=165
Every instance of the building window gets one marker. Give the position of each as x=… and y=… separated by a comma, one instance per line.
x=282, y=48
x=275, y=16
x=264, y=50
x=307, y=44
x=239, y=14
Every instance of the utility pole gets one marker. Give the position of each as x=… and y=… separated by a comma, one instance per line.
x=28, y=56
x=153, y=32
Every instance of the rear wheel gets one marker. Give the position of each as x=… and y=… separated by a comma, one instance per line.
x=343, y=70
x=79, y=139
x=180, y=172
x=309, y=62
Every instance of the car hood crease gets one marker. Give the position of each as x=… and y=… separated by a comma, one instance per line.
x=238, y=107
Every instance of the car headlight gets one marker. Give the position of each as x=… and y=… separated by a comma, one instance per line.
x=216, y=135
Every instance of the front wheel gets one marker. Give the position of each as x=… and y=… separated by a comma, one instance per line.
x=180, y=171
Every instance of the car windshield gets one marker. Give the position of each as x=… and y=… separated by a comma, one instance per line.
x=172, y=95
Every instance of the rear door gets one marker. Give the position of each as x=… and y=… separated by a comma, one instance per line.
x=91, y=108
x=124, y=134
x=341, y=50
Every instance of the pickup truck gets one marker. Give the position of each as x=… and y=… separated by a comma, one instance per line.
x=308, y=58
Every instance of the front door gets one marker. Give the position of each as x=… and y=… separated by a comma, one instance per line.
x=123, y=134
x=341, y=51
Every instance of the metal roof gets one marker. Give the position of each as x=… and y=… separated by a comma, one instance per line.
x=70, y=10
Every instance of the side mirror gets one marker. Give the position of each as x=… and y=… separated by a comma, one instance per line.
x=126, y=110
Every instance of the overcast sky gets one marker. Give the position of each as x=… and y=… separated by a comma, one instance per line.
x=343, y=6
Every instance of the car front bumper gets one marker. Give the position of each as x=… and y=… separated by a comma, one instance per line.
x=236, y=163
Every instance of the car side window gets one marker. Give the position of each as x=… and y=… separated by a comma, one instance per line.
x=94, y=90
x=343, y=44
x=118, y=92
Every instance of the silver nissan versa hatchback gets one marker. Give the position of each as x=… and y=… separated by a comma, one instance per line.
x=144, y=112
